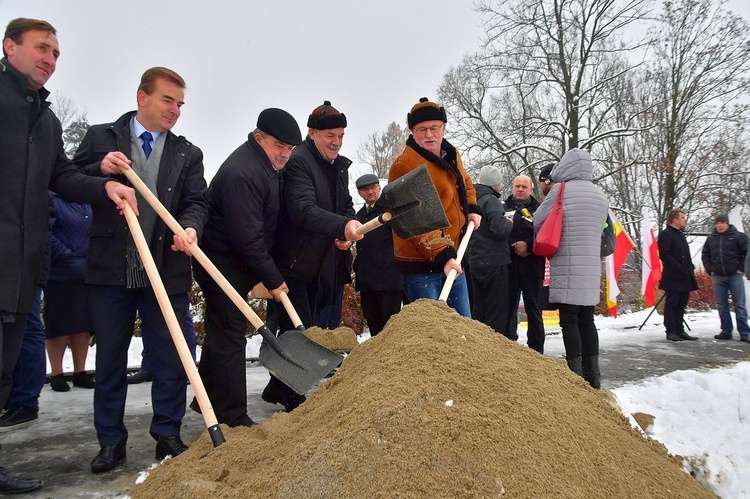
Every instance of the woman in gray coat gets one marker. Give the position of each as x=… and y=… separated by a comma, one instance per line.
x=575, y=269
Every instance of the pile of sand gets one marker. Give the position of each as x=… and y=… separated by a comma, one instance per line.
x=341, y=339
x=435, y=406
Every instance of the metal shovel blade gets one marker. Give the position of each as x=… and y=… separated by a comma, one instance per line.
x=414, y=203
x=312, y=362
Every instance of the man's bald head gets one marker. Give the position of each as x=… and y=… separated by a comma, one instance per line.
x=521, y=188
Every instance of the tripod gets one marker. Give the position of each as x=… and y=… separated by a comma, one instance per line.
x=656, y=305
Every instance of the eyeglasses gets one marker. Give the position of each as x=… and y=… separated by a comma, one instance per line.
x=423, y=129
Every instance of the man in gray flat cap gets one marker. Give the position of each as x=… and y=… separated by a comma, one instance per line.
x=244, y=204
x=379, y=284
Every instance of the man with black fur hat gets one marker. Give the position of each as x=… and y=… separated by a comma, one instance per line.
x=244, y=204
x=317, y=214
x=426, y=260
x=724, y=255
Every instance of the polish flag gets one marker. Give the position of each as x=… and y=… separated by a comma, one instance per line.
x=651, y=270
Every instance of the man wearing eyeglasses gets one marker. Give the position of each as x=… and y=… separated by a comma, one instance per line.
x=426, y=260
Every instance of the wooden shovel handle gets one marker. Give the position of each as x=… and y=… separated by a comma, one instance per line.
x=259, y=291
x=198, y=254
x=291, y=312
x=175, y=330
x=459, y=256
x=374, y=223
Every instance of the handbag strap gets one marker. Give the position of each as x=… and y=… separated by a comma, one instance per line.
x=559, y=198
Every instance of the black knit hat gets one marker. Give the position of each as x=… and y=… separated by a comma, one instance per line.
x=281, y=125
x=325, y=117
x=721, y=218
x=545, y=174
x=425, y=110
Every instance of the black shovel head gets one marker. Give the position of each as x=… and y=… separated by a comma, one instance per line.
x=414, y=203
x=310, y=363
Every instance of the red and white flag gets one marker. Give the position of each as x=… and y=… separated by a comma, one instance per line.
x=651, y=270
x=612, y=263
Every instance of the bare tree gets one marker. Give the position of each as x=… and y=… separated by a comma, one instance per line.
x=73, y=120
x=381, y=149
x=544, y=82
x=697, y=80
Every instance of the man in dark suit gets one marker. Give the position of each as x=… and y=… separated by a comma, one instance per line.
x=379, y=284
x=172, y=168
x=678, y=277
x=33, y=160
x=249, y=183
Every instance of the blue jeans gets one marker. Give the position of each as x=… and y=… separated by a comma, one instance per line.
x=723, y=286
x=430, y=285
x=31, y=368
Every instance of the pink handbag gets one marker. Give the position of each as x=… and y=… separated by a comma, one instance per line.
x=548, y=238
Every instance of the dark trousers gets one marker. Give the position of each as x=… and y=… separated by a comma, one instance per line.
x=528, y=285
x=114, y=309
x=223, y=364
x=11, y=337
x=31, y=368
x=190, y=338
x=329, y=314
x=490, y=292
x=304, y=297
x=580, y=336
x=674, y=310
x=378, y=307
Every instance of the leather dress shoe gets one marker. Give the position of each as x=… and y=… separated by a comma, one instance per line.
x=686, y=336
x=10, y=484
x=169, y=446
x=109, y=457
x=674, y=337
x=140, y=376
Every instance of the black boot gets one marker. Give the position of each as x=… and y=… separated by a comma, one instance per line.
x=590, y=365
x=575, y=365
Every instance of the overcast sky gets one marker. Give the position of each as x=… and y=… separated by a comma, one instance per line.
x=372, y=60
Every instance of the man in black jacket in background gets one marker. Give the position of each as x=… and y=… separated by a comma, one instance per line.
x=244, y=201
x=379, y=284
x=317, y=212
x=724, y=255
x=526, y=270
x=489, y=254
x=677, y=277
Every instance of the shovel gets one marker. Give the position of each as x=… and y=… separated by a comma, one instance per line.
x=412, y=206
x=459, y=256
x=217, y=437
x=293, y=358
